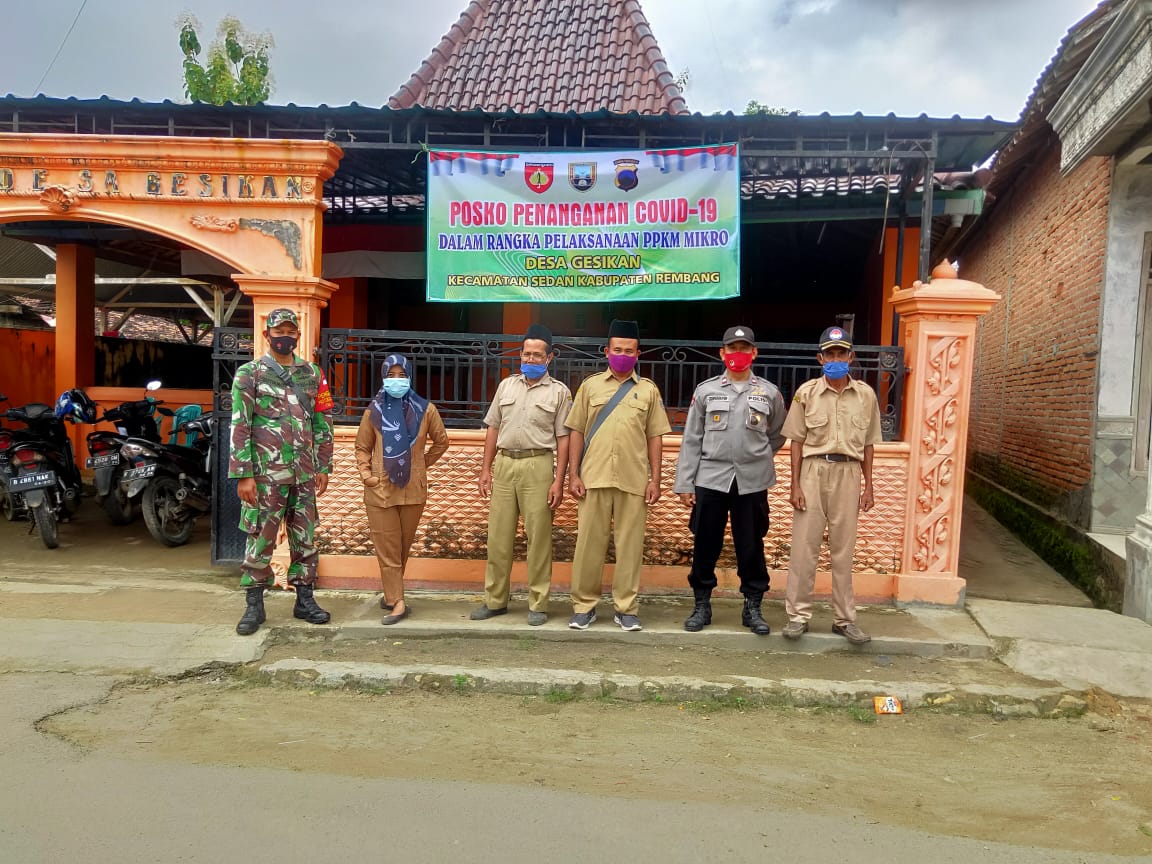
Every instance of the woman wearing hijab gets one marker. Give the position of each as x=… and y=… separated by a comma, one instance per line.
x=390, y=452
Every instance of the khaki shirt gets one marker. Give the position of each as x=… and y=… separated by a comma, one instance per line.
x=370, y=460
x=529, y=417
x=825, y=421
x=617, y=456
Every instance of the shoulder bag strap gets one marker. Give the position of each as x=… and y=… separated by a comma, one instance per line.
x=286, y=377
x=616, y=399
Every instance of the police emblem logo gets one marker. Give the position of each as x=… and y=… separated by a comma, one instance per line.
x=582, y=175
x=627, y=174
x=835, y=333
x=538, y=176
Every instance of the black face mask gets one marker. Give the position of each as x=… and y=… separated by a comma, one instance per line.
x=283, y=345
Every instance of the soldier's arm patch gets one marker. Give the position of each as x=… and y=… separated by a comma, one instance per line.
x=324, y=396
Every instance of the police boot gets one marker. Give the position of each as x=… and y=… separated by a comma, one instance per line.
x=751, y=617
x=253, y=613
x=701, y=615
x=306, y=608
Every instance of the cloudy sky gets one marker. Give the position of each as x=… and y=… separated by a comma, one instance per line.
x=939, y=57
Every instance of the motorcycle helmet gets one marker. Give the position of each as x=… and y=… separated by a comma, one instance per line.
x=75, y=405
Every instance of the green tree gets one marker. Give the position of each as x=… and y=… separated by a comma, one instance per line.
x=755, y=107
x=237, y=68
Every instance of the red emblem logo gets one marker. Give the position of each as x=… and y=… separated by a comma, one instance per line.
x=538, y=176
x=836, y=334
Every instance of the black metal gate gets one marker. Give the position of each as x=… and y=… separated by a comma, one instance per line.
x=231, y=348
x=460, y=371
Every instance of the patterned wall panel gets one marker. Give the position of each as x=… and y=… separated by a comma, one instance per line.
x=935, y=490
x=455, y=519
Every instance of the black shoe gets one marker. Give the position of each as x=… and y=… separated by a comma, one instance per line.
x=253, y=613
x=701, y=615
x=306, y=608
x=751, y=617
x=483, y=613
x=396, y=617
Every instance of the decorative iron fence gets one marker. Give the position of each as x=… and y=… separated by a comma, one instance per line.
x=459, y=372
x=231, y=348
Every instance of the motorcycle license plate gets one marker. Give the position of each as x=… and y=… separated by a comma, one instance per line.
x=39, y=480
x=142, y=471
x=106, y=461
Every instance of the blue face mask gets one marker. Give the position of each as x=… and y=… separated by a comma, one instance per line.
x=533, y=371
x=397, y=388
x=836, y=370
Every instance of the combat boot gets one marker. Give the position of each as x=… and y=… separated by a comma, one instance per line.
x=752, y=618
x=701, y=615
x=253, y=612
x=306, y=608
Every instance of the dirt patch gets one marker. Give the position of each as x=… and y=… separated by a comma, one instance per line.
x=1077, y=784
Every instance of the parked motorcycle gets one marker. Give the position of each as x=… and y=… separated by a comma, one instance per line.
x=133, y=419
x=43, y=479
x=7, y=440
x=174, y=482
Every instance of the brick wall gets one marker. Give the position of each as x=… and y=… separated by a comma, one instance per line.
x=1033, y=404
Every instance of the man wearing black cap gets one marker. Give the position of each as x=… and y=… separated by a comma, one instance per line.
x=617, y=422
x=833, y=424
x=725, y=468
x=526, y=432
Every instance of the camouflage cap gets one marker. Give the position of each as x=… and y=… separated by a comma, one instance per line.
x=282, y=316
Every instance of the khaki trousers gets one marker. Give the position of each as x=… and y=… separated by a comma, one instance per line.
x=519, y=486
x=832, y=494
x=393, y=530
x=624, y=514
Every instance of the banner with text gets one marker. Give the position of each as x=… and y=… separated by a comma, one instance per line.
x=592, y=226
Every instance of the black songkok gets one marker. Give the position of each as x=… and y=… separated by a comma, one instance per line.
x=624, y=330
x=539, y=331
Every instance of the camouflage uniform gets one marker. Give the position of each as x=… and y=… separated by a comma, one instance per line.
x=283, y=445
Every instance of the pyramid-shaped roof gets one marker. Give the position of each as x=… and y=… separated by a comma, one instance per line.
x=526, y=56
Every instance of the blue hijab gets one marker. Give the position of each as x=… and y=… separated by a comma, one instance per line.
x=398, y=421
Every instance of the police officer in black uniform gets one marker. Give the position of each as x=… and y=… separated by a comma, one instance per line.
x=725, y=469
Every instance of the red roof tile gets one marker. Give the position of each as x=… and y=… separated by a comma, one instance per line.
x=520, y=55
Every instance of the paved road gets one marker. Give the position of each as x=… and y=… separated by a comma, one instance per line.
x=62, y=802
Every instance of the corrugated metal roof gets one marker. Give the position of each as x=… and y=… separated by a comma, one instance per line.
x=380, y=143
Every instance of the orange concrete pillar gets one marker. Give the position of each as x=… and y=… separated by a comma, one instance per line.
x=909, y=268
x=75, y=324
x=75, y=316
x=306, y=294
x=938, y=331
x=348, y=308
x=517, y=317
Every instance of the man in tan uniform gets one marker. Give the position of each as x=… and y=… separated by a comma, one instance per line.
x=833, y=424
x=617, y=421
x=526, y=432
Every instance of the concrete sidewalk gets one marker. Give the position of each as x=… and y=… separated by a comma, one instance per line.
x=128, y=605
x=1001, y=656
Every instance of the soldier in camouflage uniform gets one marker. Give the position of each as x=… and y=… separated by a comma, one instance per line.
x=282, y=455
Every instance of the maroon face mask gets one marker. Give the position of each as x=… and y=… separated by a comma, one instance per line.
x=621, y=363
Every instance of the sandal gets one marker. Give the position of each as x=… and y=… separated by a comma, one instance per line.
x=385, y=605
